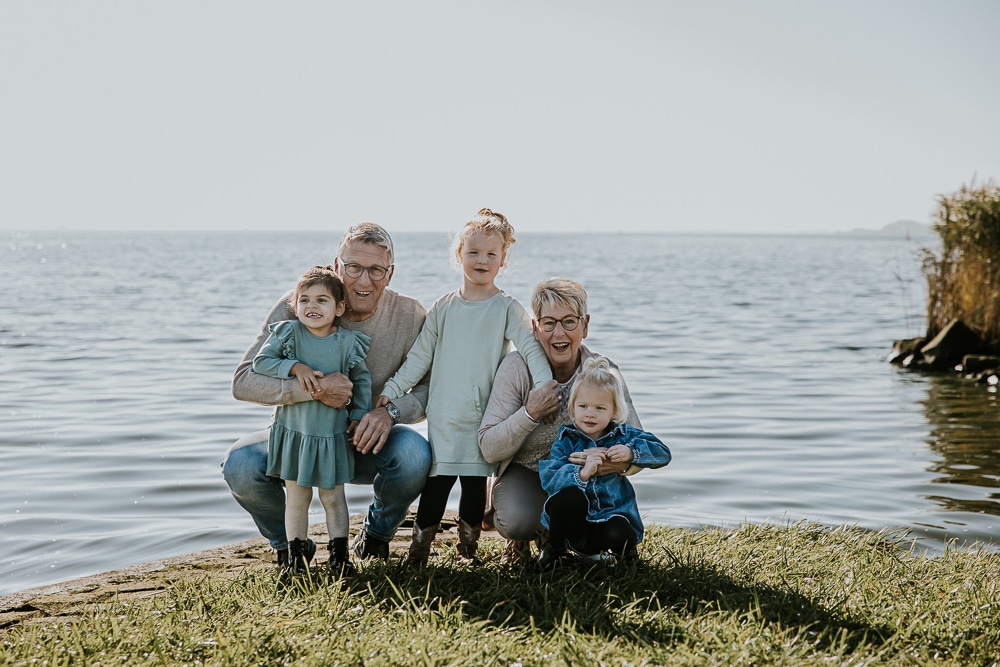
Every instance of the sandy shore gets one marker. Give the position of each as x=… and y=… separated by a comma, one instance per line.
x=68, y=600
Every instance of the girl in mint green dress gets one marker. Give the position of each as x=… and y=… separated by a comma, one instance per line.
x=465, y=335
x=308, y=443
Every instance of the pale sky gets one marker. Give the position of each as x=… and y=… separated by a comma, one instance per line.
x=729, y=116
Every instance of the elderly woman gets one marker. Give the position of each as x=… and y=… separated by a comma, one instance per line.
x=521, y=423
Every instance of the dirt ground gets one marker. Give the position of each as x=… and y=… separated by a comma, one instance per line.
x=68, y=600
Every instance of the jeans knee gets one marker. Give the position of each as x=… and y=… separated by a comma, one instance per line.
x=410, y=456
x=243, y=467
x=413, y=449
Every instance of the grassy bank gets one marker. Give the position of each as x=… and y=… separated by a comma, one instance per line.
x=791, y=595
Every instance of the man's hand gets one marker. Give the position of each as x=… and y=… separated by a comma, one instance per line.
x=543, y=402
x=372, y=431
x=335, y=390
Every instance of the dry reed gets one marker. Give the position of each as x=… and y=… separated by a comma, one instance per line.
x=963, y=278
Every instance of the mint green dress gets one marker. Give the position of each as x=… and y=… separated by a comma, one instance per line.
x=308, y=442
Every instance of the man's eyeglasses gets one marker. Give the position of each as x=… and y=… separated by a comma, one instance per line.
x=354, y=270
x=568, y=323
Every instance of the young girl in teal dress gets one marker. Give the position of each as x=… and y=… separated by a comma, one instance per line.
x=308, y=442
x=466, y=334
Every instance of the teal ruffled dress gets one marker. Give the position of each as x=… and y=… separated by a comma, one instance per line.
x=308, y=442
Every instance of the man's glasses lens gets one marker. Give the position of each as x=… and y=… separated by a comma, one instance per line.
x=374, y=272
x=549, y=323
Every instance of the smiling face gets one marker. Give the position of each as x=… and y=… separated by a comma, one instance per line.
x=482, y=257
x=560, y=346
x=363, y=293
x=316, y=308
x=592, y=409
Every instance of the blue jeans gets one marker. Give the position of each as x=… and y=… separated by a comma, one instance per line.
x=397, y=473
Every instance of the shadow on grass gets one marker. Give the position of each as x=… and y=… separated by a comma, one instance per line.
x=652, y=602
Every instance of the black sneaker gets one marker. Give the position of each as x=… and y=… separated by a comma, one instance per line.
x=366, y=546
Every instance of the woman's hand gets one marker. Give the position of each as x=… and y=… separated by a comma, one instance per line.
x=607, y=466
x=544, y=402
x=308, y=378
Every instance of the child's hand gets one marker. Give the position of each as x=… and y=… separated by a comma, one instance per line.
x=308, y=378
x=619, y=454
x=382, y=401
x=590, y=467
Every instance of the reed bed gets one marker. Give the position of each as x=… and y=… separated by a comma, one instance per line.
x=963, y=276
x=757, y=595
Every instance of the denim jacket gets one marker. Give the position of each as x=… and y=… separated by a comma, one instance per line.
x=608, y=495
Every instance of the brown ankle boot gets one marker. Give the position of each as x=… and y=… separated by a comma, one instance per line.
x=420, y=544
x=468, y=543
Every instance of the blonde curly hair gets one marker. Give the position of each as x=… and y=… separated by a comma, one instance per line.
x=486, y=222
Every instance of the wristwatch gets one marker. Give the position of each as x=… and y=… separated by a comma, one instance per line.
x=393, y=412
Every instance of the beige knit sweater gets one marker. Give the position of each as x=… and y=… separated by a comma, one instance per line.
x=392, y=329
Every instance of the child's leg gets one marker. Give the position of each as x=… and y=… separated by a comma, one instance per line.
x=434, y=500
x=297, y=499
x=471, y=508
x=567, y=512
x=338, y=520
x=472, y=504
x=615, y=535
x=300, y=548
x=338, y=525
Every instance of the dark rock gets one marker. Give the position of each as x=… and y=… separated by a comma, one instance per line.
x=946, y=350
x=977, y=363
x=903, y=351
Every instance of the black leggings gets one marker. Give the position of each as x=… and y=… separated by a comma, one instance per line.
x=434, y=500
x=568, y=523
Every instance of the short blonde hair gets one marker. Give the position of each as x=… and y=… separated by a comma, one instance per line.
x=559, y=292
x=598, y=372
x=486, y=222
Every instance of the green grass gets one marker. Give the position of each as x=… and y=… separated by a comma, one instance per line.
x=756, y=595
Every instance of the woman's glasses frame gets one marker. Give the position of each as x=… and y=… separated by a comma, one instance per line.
x=548, y=324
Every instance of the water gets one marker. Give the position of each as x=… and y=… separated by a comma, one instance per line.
x=759, y=359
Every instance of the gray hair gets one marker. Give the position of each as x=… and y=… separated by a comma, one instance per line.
x=370, y=233
x=559, y=292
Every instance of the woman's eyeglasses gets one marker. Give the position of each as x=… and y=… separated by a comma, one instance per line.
x=549, y=323
x=354, y=270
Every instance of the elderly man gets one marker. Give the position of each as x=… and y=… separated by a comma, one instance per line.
x=393, y=458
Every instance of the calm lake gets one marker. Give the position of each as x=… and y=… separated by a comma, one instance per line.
x=760, y=360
